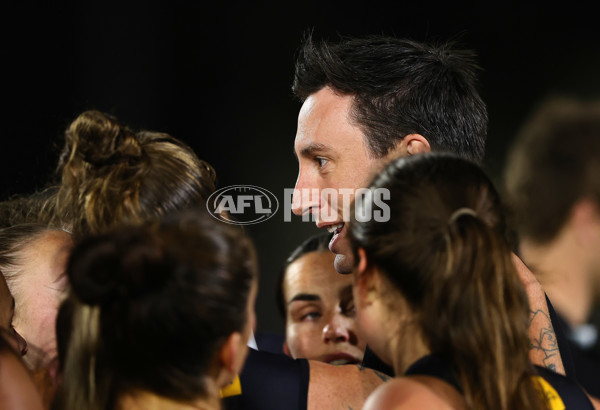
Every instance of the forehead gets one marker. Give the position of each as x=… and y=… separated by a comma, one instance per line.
x=314, y=273
x=52, y=245
x=45, y=259
x=324, y=120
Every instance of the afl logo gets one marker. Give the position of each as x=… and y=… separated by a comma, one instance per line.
x=242, y=204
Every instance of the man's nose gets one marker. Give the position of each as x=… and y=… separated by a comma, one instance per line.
x=306, y=196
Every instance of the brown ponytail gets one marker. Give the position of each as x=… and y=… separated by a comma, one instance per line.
x=445, y=250
x=474, y=318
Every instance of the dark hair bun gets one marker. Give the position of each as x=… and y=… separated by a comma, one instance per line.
x=103, y=269
x=91, y=270
x=99, y=139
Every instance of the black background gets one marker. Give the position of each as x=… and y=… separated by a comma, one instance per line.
x=218, y=76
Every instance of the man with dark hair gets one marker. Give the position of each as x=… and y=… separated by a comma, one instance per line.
x=369, y=100
x=365, y=102
x=553, y=183
x=399, y=87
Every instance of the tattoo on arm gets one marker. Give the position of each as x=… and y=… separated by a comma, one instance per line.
x=545, y=342
x=384, y=377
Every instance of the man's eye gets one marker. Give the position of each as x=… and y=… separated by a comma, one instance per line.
x=310, y=316
x=321, y=162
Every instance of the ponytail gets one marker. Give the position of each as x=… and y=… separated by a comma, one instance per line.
x=78, y=332
x=472, y=325
x=445, y=250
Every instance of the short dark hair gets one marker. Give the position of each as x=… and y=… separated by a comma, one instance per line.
x=400, y=87
x=315, y=243
x=554, y=161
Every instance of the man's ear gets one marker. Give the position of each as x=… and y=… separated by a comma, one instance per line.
x=286, y=349
x=416, y=144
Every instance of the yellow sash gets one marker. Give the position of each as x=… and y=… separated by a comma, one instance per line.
x=233, y=389
x=550, y=393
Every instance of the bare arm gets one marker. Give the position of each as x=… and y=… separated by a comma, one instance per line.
x=341, y=387
x=543, y=348
x=595, y=401
x=415, y=392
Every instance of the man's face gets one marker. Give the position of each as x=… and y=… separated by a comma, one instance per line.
x=320, y=314
x=332, y=153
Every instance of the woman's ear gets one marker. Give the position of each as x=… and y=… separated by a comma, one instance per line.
x=584, y=221
x=286, y=349
x=231, y=357
x=366, y=280
x=362, y=261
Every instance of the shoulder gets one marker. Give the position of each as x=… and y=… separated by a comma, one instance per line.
x=17, y=388
x=326, y=391
x=413, y=392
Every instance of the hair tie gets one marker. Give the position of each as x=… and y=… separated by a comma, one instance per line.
x=459, y=212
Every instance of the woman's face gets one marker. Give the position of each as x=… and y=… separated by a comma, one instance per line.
x=39, y=288
x=320, y=315
x=250, y=325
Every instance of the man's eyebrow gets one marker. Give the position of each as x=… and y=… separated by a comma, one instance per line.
x=307, y=297
x=312, y=149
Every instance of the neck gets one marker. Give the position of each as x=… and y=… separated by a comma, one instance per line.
x=561, y=268
x=406, y=347
x=144, y=400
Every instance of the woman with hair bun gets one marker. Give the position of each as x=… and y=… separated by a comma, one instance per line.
x=111, y=175
x=439, y=299
x=161, y=314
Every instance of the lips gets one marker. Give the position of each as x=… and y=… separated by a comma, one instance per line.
x=336, y=230
x=339, y=359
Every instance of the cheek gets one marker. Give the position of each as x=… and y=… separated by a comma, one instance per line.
x=38, y=306
x=367, y=326
x=304, y=339
x=36, y=320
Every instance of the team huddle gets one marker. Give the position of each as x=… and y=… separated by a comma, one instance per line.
x=121, y=291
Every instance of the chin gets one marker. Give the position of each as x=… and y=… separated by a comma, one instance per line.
x=343, y=264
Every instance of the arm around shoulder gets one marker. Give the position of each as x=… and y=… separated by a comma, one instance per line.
x=405, y=393
x=341, y=387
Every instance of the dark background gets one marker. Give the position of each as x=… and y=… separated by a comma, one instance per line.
x=218, y=77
